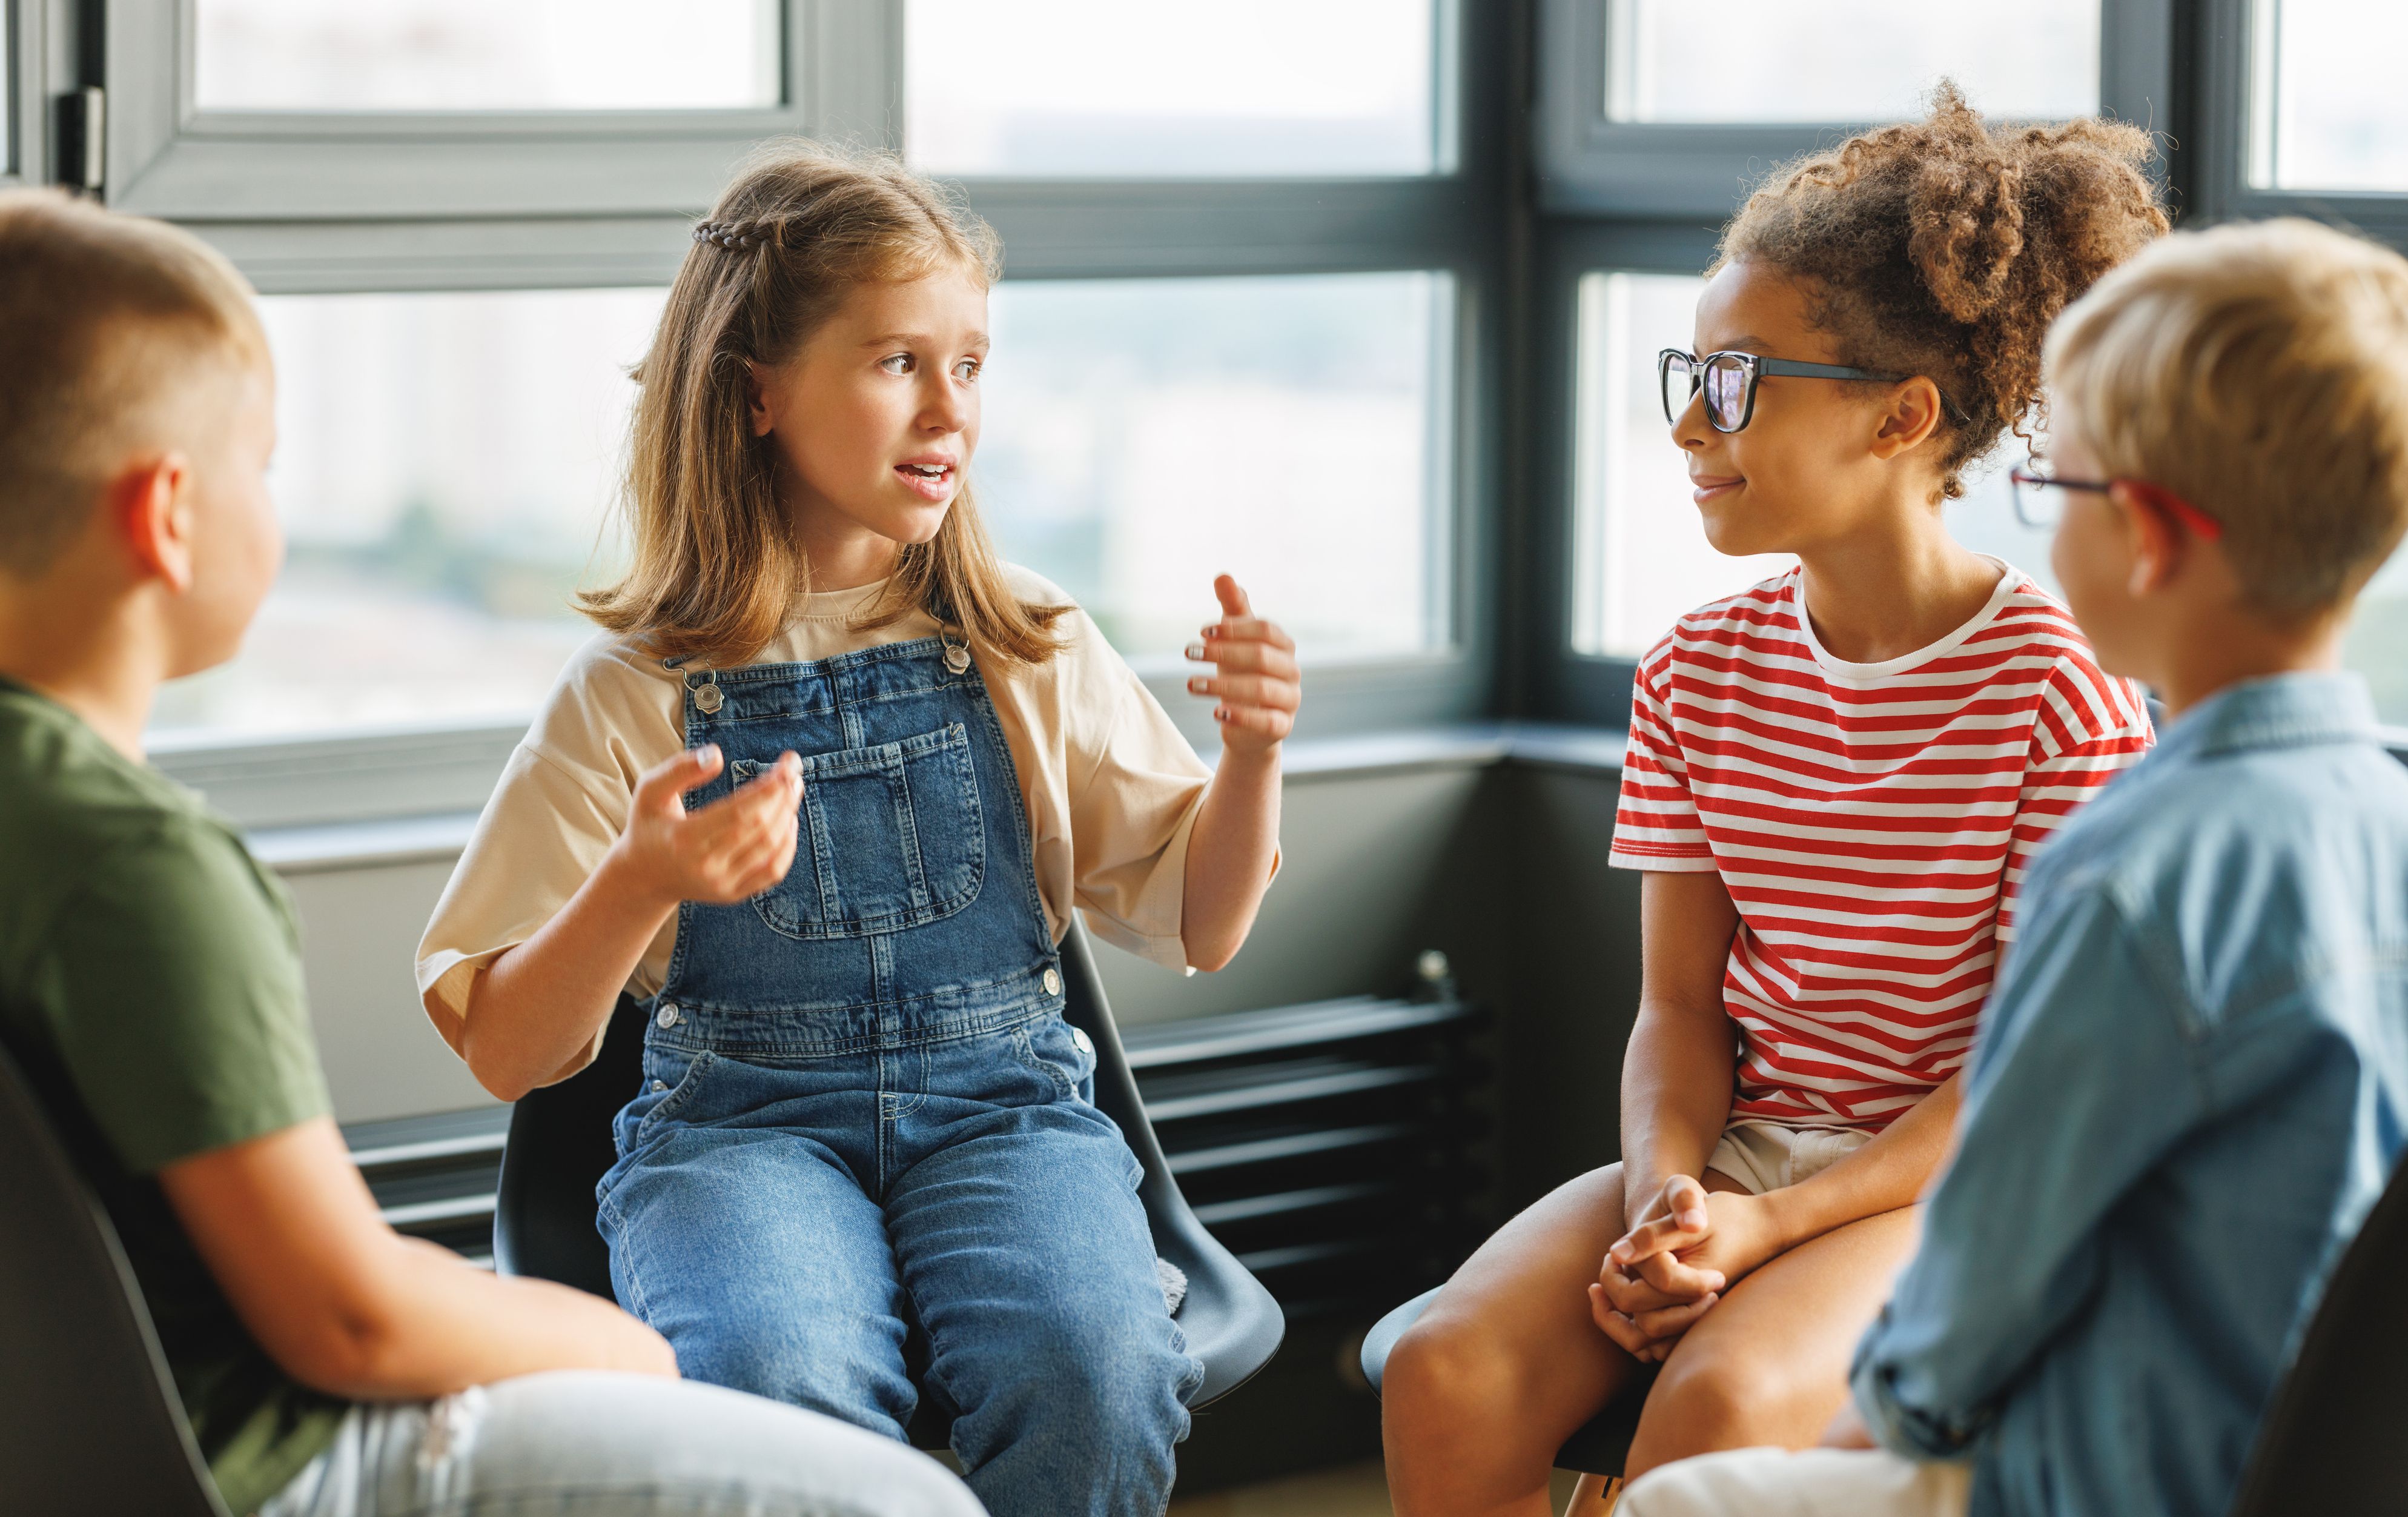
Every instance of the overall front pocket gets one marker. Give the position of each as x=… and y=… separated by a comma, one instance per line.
x=890, y=837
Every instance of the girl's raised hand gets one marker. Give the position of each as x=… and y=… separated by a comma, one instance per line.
x=734, y=849
x=1256, y=678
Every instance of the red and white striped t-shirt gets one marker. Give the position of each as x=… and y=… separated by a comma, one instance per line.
x=1871, y=821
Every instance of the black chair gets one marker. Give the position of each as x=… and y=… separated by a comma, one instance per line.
x=1600, y=1446
x=560, y=1145
x=2332, y=1441
x=90, y=1421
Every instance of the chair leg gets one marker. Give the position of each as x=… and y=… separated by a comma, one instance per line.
x=1594, y=1497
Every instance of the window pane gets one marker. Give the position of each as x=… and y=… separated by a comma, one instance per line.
x=1107, y=87
x=1846, y=60
x=443, y=466
x=1142, y=435
x=477, y=56
x=2333, y=112
x=1640, y=557
x=2379, y=639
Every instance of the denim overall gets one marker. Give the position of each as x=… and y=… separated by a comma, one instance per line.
x=860, y=1098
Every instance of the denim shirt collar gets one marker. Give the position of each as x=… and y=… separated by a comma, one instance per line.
x=2279, y=711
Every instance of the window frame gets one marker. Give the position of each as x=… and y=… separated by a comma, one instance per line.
x=2224, y=136
x=23, y=94
x=1591, y=165
x=1641, y=197
x=168, y=158
x=300, y=236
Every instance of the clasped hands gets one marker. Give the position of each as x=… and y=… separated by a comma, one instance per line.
x=1685, y=1248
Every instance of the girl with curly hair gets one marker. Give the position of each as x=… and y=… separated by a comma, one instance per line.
x=1835, y=780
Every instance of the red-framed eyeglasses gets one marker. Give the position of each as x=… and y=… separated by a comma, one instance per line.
x=2036, y=507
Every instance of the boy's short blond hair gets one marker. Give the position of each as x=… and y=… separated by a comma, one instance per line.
x=108, y=323
x=2260, y=372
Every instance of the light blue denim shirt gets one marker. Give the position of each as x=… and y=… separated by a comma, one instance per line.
x=2188, y=1092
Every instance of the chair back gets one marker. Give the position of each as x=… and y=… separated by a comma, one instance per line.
x=2331, y=1438
x=90, y=1424
x=558, y=1149
x=560, y=1145
x=1231, y=1320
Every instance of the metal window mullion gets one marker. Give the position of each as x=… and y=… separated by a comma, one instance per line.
x=165, y=158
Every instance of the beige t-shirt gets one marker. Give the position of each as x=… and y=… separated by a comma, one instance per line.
x=1111, y=786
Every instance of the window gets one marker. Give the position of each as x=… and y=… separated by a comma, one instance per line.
x=2378, y=640
x=2327, y=109
x=444, y=466
x=1243, y=287
x=411, y=55
x=324, y=112
x=9, y=166
x=1640, y=558
x=1142, y=435
x=1845, y=59
x=1667, y=108
x=1063, y=88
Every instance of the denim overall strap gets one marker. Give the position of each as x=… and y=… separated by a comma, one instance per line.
x=911, y=912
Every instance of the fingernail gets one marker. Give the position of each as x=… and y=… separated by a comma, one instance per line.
x=707, y=753
x=1195, y=650
x=1200, y=686
x=1212, y=632
x=1219, y=714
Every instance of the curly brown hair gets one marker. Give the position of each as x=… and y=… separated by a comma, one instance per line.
x=1946, y=247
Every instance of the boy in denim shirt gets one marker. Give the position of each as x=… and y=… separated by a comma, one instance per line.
x=2192, y=1081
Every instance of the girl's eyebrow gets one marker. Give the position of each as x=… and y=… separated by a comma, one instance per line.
x=918, y=340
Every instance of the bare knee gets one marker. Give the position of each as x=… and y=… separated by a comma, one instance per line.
x=1442, y=1376
x=1727, y=1397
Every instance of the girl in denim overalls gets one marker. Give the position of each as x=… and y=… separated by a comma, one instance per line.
x=828, y=836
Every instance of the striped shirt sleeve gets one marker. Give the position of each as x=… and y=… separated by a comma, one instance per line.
x=1656, y=824
x=2090, y=727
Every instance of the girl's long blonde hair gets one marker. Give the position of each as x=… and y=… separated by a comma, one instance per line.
x=717, y=566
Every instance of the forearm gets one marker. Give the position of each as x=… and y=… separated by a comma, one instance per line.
x=1230, y=851
x=536, y=1008
x=438, y=1324
x=1891, y=1171
x=1676, y=1095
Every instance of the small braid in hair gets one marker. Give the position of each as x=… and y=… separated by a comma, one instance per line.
x=735, y=236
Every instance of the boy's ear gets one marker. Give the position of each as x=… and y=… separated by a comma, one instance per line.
x=153, y=508
x=2154, y=545
x=1911, y=415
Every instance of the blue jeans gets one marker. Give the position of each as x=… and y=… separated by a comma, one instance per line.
x=605, y=1445
x=777, y=1216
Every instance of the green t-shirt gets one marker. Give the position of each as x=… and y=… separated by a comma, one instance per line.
x=151, y=982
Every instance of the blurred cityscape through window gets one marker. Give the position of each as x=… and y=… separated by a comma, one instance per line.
x=1846, y=60
x=1245, y=87
x=447, y=466
x=425, y=55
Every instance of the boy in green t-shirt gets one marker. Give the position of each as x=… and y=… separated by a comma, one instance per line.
x=150, y=984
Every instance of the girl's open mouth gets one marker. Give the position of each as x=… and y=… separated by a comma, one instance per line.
x=934, y=482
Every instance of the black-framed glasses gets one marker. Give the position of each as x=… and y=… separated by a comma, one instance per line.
x=2040, y=500
x=1728, y=382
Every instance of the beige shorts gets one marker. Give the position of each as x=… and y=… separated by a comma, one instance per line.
x=1765, y=1156
x=1810, y=1482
